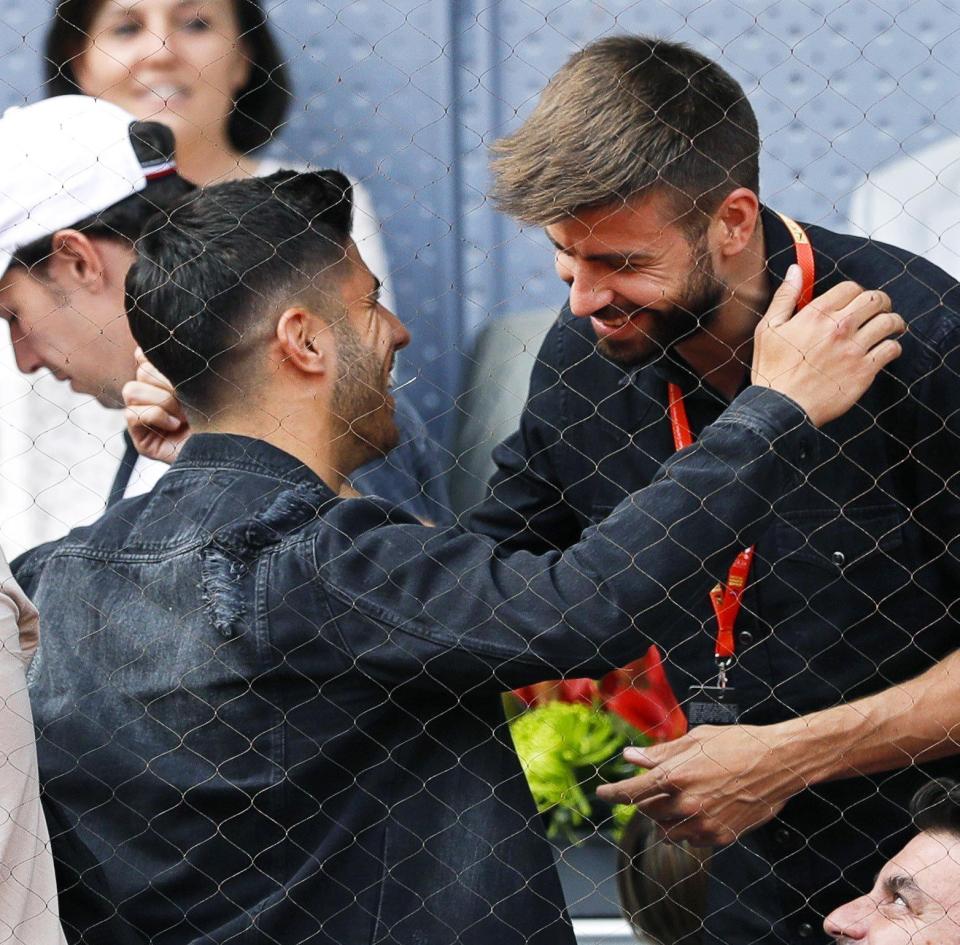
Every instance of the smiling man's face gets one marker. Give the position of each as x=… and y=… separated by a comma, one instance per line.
x=368, y=337
x=915, y=900
x=634, y=271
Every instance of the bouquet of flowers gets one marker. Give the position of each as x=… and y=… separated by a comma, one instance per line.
x=569, y=736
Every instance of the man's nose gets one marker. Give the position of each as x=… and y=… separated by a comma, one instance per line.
x=27, y=359
x=588, y=295
x=851, y=921
x=401, y=335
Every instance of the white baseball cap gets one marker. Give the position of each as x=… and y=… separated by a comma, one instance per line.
x=62, y=160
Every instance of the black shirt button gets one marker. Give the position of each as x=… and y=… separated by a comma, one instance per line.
x=839, y=558
x=805, y=930
x=745, y=638
x=782, y=835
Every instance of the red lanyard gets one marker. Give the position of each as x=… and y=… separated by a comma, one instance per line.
x=726, y=598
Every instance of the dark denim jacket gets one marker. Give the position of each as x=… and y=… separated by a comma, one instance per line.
x=266, y=714
x=855, y=582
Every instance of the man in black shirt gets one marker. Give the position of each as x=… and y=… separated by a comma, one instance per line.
x=641, y=163
x=270, y=713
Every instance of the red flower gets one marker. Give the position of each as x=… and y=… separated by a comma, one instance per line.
x=562, y=690
x=639, y=693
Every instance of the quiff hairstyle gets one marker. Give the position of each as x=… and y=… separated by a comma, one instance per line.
x=625, y=116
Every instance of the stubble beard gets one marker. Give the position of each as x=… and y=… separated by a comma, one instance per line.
x=702, y=296
x=360, y=400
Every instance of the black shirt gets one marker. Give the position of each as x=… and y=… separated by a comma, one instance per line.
x=854, y=584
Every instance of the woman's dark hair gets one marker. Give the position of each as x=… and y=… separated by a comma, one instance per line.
x=261, y=105
x=663, y=885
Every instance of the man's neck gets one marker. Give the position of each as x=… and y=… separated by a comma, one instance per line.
x=721, y=354
x=314, y=451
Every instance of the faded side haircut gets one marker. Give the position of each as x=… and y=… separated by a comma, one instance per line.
x=212, y=277
x=624, y=116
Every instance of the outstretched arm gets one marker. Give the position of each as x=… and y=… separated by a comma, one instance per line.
x=435, y=600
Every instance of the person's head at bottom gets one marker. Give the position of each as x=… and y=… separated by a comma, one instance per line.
x=253, y=300
x=916, y=897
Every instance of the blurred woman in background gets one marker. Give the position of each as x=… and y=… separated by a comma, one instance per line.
x=212, y=71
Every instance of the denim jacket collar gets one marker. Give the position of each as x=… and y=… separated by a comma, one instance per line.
x=234, y=451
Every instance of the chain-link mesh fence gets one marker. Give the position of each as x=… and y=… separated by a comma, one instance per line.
x=266, y=711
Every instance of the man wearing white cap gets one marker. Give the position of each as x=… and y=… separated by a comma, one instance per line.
x=78, y=180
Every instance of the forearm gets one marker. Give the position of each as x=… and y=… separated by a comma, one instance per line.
x=592, y=607
x=917, y=720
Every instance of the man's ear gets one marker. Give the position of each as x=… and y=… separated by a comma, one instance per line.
x=736, y=220
x=77, y=262
x=304, y=341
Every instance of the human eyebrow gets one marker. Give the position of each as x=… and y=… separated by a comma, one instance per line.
x=615, y=260
x=904, y=886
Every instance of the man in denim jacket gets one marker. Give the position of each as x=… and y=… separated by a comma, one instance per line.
x=269, y=713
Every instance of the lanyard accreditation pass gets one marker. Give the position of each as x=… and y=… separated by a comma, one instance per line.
x=716, y=705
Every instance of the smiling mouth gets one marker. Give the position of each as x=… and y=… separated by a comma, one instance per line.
x=615, y=322
x=611, y=323
x=165, y=91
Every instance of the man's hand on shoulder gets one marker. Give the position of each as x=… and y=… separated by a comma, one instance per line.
x=155, y=419
x=825, y=356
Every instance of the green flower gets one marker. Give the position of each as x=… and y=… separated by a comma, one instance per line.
x=564, y=749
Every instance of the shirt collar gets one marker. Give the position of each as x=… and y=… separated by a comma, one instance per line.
x=779, y=246
x=233, y=451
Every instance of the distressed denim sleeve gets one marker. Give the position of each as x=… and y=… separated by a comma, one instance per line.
x=441, y=604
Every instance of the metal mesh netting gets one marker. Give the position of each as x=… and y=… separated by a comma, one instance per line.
x=270, y=710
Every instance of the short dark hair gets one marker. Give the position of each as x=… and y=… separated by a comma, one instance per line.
x=123, y=221
x=208, y=275
x=260, y=106
x=625, y=116
x=936, y=807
